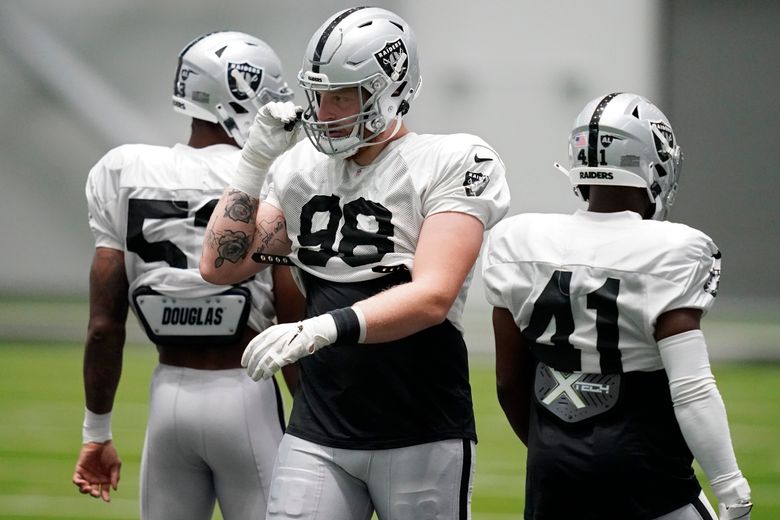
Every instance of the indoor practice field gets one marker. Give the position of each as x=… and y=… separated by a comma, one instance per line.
x=41, y=405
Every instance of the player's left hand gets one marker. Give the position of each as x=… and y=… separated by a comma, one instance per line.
x=97, y=470
x=735, y=511
x=280, y=345
x=733, y=498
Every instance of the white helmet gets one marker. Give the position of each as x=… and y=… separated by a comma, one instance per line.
x=365, y=47
x=625, y=140
x=225, y=77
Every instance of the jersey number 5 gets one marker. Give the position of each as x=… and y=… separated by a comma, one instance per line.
x=555, y=303
x=139, y=210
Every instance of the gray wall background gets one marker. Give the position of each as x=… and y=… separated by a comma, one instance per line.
x=82, y=76
x=721, y=61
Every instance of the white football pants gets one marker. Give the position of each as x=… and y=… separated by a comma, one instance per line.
x=426, y=481
x=212, y=436
x=699, y=510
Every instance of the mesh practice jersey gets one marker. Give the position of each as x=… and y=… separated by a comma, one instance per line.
x=154, y=203
x=354, y=232
x=350, y=223
x=586, y=291
x=615, y=272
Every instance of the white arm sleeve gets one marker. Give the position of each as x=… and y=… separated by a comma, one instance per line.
x=701, y=414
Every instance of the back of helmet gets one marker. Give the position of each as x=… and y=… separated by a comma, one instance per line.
x=225, y=77
x=623, y=139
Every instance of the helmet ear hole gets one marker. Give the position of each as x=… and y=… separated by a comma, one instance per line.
x=238, y=108
x=660, y=170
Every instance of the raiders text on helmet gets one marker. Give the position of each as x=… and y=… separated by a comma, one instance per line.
x=368, y=48
x=225, y=77
x=624, y=140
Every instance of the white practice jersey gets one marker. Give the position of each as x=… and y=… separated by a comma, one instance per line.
x=154, y=203
x=350, y=223
x=598, y=282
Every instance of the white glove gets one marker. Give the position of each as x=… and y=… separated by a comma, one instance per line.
x=735, y=511
x=734, y=497
x=280, y=345
x=274, y=131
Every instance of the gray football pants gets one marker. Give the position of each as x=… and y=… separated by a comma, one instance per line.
x=212, y=435
x=422, y=482
x=700, y=510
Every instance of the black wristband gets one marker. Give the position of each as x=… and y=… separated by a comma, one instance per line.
x=347, y=326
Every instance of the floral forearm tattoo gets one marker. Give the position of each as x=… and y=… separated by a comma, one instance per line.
x=241, y=207
x=231, y=246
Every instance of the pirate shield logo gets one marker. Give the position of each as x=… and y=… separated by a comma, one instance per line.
x=388, y=58
x=475, y=183
x=665, y=131
x=243, y=80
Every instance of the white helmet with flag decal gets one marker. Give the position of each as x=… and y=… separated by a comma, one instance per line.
x=225, y=77
x=365, y=47
x=623, y=139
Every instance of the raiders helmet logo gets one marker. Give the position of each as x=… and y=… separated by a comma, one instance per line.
x=388, y=58
x=475, y=183
x=665, y=131
x=243, y=79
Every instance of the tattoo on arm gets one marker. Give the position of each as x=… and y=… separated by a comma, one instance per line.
x=241, y=207
x=272, y=236
x=230, y=245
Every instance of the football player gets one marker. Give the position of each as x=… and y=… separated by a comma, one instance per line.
x=601, y=366
x=383, y=226
x=212, y=432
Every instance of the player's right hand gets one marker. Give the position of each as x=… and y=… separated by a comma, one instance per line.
x=275, y=130
x=97, y=470
x=735, y=511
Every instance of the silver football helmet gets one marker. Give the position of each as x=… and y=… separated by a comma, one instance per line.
x=225, y=77
x=369, y=48
x=624, y=140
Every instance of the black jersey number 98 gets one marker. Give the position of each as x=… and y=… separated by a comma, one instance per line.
x=351, y=235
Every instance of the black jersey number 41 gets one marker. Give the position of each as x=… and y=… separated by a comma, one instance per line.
x=317, y=246
x=554, y=303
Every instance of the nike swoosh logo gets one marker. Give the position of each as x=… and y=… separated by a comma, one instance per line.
x=478, y=159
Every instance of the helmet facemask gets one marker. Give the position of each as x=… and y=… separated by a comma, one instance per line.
x=362, y=128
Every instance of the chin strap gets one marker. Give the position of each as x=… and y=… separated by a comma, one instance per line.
x=229, y=124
